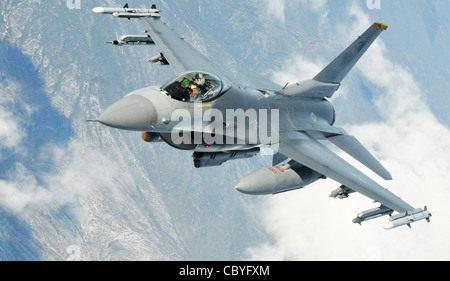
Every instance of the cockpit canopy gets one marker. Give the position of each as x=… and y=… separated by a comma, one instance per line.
x=193, y=86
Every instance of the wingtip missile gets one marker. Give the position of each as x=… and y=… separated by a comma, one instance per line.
x=408, y=218
x=127, y=12
x=98, y=10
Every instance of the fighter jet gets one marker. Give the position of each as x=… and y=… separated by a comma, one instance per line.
x=220, y=118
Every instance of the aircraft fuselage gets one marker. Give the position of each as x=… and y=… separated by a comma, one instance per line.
x=245, y=118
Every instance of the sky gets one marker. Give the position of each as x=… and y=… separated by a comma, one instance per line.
x=409, y=140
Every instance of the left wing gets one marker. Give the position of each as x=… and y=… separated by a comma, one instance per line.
x=317, y=157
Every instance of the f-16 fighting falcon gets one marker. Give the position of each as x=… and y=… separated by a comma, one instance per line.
x=219, y=119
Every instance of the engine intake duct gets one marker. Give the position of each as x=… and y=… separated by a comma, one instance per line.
x=202, y=159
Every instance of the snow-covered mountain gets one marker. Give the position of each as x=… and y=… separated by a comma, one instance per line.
x=73, y=190
x=68, y=183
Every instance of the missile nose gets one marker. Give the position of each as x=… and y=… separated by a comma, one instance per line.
x=388, y=226
x=240, y=186
x=132, y=113
x=98, y=10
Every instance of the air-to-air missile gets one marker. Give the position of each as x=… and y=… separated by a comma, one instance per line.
x=407, y=218
x=126, y=12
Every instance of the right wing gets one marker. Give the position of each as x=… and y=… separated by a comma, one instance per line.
x=183, y=57
x=174, y=49
x=177, y=51
x=317, y=157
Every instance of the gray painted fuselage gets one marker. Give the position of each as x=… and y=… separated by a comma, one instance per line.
x=299, y=113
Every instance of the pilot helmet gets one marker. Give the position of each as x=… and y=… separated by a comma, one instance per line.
x=199, y=79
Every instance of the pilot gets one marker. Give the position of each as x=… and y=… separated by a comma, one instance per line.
x=200, y=80
x=197, y=86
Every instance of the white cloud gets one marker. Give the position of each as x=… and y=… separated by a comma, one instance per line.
x=78, y=170
x=298, y=69
x=316, y=5
x=409, y=141
x=21, y=190
x=9, y=130
x=277, y=8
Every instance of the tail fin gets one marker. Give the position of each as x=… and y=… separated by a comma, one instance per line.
x=328, y=81
x=336, y=71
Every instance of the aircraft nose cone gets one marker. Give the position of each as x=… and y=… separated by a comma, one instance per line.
x=132, y=113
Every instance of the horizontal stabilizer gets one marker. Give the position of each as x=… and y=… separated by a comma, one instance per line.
x=310, y=89
x=354, y=148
